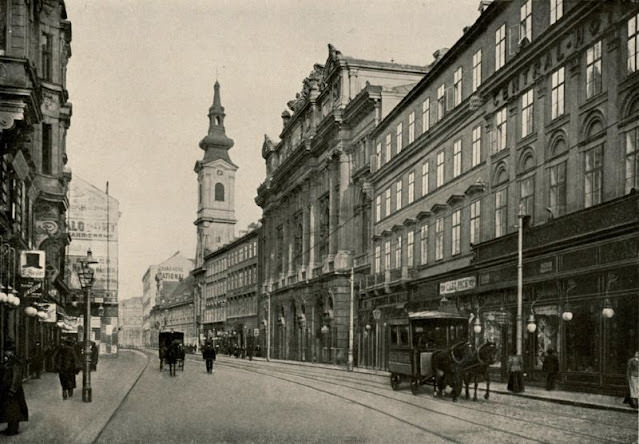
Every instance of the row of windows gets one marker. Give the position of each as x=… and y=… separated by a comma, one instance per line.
x=592, y=173
x=234, y=280
x=234, y=257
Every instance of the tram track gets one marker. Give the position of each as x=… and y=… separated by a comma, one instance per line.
x=373, y=388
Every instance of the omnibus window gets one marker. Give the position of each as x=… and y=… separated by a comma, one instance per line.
x=403, y=335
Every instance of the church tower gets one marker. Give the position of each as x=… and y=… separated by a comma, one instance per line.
x=216, y=185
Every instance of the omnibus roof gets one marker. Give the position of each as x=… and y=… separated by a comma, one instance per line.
x=434, y=314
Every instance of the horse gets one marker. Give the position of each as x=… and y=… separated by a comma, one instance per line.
x=171, y=355
x=445, y=368
x=475, y=366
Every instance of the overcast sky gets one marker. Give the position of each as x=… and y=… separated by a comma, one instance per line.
x=141, y=81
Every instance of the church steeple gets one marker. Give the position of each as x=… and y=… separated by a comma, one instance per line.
x=216, y=144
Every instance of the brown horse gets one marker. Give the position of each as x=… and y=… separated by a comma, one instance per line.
x=445, y=365
x=475, y=366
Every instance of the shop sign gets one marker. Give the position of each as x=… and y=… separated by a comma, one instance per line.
x=32, y=264
x=461, y=284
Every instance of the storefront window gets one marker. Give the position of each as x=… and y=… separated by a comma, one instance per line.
x=495, y=326
x=582, y=337
x=547, y=319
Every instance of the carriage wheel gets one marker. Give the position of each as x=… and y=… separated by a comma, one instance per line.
x=414, y=385
x=394, y=380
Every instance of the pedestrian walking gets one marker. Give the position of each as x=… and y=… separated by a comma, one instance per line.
x=551, y=367
x=37, y=360
x=208, y=353
x=13, y=405
x=515, y=368
x=632, y=377
x=94, y=356
x=67, y=364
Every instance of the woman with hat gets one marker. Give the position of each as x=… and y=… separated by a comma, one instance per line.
x=13, y=406
x=66, y=363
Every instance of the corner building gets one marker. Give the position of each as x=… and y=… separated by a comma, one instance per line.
x=531, y=117
x=315, y=207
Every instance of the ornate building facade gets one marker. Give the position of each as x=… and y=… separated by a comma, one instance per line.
x=530, y=120
x=35, y=115
x=315, y=206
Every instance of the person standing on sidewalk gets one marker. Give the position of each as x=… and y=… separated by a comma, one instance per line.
x=551, y=367
x=37, y=360
x=13, y=405
x=208, y=353
x=632, y=376
x=515, y=369
x=66, y=364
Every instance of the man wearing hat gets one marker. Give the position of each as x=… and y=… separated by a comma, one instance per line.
x=66, y=363
x=13, y=406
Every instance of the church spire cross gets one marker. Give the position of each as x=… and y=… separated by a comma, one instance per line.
x=216, y=143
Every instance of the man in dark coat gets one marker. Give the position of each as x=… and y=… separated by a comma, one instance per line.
x=208, y=353
x=37, y=359
x=13, y=406
x=94, y=356
x=551, y=367
x=67, y=364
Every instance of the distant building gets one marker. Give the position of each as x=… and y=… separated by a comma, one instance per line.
x=158, y=283
x=93, y=217
x=130, y=323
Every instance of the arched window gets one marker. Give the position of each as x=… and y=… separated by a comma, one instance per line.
x=219, y=192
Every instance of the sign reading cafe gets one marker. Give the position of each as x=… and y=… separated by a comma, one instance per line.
x=461, y=284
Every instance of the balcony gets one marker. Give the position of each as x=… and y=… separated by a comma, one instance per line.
x=21, y=97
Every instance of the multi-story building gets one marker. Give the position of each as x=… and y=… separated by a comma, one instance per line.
x=158, y=283
x=35, y=115
x=228, y=306
x=177, y=311
x=93, y=217
x=315, y=204
x=130, y=323
x=529, y=120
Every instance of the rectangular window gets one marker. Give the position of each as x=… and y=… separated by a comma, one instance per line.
x=593, y=70
x=426, y=115
x=557, y=189
x=556, y=10
x=501, y=130
x=455, y=247
x=633, y=47
x=527, y=115
x=411, y=127
x=410, y=245
x=398, y=195
x=425, y=171
x=46, y=52
x=439, y=238
x=388, y=148
x=457, y=86
x=378, y=155
x=398, y=251
x=557, y=94
x=47, y=148
x=387, y=255
x=440, y=169
x=398, y=137
x=411, y=187
x=500, y=47
x=378, y=208
x=501, y=212
x=475, y=219
x=457, y=158
x=476, y=148
x=632, y=160
x=527, y=196
x=378, y=258
x=525, y=22
x=441, y=101
x=423, y=244
x=476, y=69
x=593, y=176
x=387, y=202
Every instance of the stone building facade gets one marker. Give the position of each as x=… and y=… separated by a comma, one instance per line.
x=315, y=206
x=530, y=118
x=130, y=323
x=35, y=114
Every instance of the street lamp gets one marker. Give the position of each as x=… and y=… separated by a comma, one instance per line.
x=87, y=275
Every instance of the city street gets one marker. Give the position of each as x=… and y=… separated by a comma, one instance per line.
x=258, y=401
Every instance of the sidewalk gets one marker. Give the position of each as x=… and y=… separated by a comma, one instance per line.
x=53, y=420
x=588, y=400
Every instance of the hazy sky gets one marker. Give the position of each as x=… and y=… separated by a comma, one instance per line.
x=141, y=82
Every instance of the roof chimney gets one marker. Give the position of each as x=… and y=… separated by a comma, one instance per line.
x=483, y=4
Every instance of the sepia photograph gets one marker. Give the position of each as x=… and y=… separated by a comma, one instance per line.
x=296, y=221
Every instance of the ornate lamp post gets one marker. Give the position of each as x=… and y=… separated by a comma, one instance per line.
x=87, y=276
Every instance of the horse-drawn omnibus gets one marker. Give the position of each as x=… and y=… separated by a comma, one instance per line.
x=171, y=348
x=415, y=338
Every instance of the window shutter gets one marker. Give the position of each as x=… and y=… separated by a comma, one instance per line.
x=513, y=40
x=450, y=98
